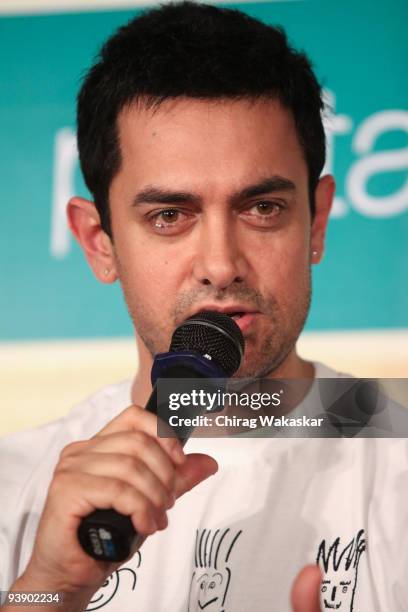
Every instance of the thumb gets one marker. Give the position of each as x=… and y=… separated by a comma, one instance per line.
x=194, y=470
x=306, y=590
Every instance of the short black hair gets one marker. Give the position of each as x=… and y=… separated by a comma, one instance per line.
x=199, y=51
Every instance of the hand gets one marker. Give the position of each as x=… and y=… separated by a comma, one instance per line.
x=306, y=590
x=125, y=467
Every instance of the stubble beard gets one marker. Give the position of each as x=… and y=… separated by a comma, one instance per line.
x=269, y=352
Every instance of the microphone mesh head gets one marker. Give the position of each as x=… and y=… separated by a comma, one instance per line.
x=214, y=334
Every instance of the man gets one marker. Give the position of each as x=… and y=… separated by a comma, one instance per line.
x=201, y=142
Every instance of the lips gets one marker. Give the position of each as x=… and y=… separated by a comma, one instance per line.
x=245, y=320
x=231, y=310
x=243, y=316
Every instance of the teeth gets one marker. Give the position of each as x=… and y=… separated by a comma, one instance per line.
x=236, y=315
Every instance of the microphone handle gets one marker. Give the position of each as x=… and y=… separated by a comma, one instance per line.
x=107, y=535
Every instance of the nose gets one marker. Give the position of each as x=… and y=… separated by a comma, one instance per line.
x=220, y=260
x=333, y=595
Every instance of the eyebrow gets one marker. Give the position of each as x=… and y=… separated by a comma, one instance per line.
x=157, y=195
x=345, y=583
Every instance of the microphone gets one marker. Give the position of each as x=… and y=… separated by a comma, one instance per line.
x=207, y=345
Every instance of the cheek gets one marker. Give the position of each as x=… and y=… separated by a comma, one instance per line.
x=281, y=263
x=151, y=277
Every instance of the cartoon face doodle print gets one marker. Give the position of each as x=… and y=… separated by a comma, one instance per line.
x=211, y=579
x=110, y=587
x=340, y=565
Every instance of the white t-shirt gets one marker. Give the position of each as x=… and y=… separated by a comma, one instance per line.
x=236, y=542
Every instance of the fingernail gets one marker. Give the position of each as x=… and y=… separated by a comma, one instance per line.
x=162, y=520
x=153, y=523
x=215, y=468
x=178, y=454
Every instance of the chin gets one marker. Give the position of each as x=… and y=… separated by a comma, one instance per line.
x=263, y=361
x=255, y=370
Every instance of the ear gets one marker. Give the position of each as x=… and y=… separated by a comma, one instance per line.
x=85, y=224
x=323, y=202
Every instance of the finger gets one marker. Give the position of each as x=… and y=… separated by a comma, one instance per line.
x=79, y=497
x=135, y=444
x=196, y=468
x=306, y=590
x=138, y=419
x=130, y=469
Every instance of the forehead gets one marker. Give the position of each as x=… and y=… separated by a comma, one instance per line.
x=209, y=144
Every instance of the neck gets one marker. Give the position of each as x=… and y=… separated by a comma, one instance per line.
x=293, y=366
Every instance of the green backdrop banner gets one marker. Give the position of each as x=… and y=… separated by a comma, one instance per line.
x=359, y=50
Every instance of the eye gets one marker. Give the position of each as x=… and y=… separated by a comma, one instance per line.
x=344, y=589
x=211, y=585
x=170, y=215
x=324, y=589
x=202, y=585
x=263, y=213
x=266, y=208
x=170, y=220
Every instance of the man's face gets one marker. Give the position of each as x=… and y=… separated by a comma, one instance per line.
x=339, y=593
x=210, y=210
x=208, y=590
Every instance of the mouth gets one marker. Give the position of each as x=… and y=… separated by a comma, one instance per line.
x=243, y=316
x=332, y=606
x=202, y=606
x=237, y=315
